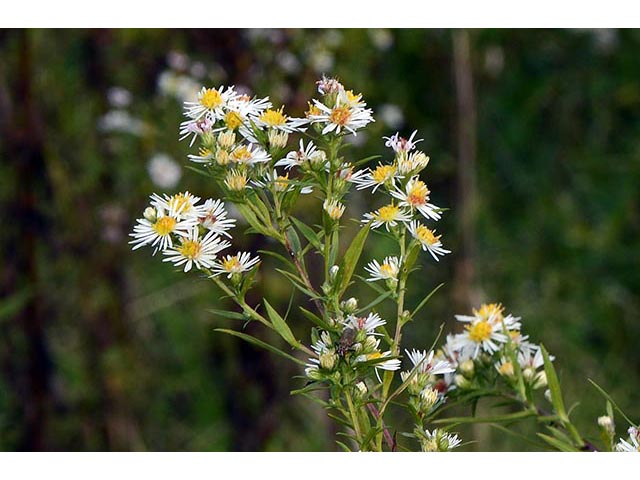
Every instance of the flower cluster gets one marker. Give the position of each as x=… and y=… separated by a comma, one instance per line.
x=492, y=341
x=425, y=381
x=190, y=234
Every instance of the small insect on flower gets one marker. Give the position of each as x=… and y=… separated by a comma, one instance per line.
x=194, y=250
x=416, y=195
x=233, y=264
x=427, y=239
x=389, y=216
x=388, y=270
x=214, y=217
x=382, y=175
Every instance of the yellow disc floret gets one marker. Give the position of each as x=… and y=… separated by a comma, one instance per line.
x=274, y=118
x=383, y=173
x=190, y=249
x=425, y=235
x=241, y=155
x=231, y=264
x=388, y=213
x=232, y=120
x=418, y=193
x=164, y=225
x=490, y=311
x=210, y=98
x=480, y=331
x=340, y=116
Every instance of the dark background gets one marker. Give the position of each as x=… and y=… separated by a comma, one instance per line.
x=534, y=139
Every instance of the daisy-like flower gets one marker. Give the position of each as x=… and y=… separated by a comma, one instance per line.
x=214, y=217
x=197, y=251
x=633, y=445
x=195, y=127
x=439, y=441
x=232, y=264
x=400, y=144
x=425, y=363
x=493, y=313
x=157, y=229
x=211, y=102
x=367, y=324
x=479, y=335
x=326, y=356
x=343, y=116
x=180, y=205
x=278, y=120
x=205, y=155
x=416, y=195
x=327, y=85
x=309, y=154
x=427, y=239
x=388, y=270
x=389, y=216
x=334, y=209
x=249, y=155
x=505, y=367
x=383, y=174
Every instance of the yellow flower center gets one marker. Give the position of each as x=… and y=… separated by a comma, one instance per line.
x=383, y=173
x=340, y=116
x=374, y=356
x=274, y=118
x=480, y=331
x=164, y=225
x=388, y=270
x=425, y=235
x=313, y=110
x=417, y=194
x=241, y=155
x=353, y=97
x=179, y=203
x=232, y=120
x=190, y=249
x=282, y=182
x=204, y=152
x=486, y=311
x=388, y=213
x=231, y=264
x=236, y=181
x=222, y=157
x=506, y=369
x=210, y=98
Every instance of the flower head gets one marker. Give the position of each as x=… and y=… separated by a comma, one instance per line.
x=196, y=250
x=234, y=264
x=427, y=239
x=388, y=270
x=389, y=216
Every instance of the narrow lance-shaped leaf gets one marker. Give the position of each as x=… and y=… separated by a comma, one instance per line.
x=350, y=260
x=260, y=344
x=281, y=326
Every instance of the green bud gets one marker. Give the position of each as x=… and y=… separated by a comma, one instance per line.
x=150, y=214
x=461, y=382
x=349, y=306
x=467, y=368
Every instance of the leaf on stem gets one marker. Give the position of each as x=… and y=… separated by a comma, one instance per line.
x=281, y=326
x=350, y=260
x=260, y=343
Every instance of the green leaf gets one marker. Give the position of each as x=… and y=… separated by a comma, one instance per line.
x=314, y=318
x=260, y=344
x=343, y=446
x=297, y=282
x=308, y=233
x=350, y=260
x=375, y=302
x=554, y=385
x=12, y=305
x=426, y=299
x=281, y=326
x=615, y=405
x=228, y=314
x=282, y=258
x=204, y=173
x=557, y=444
x=507, y=417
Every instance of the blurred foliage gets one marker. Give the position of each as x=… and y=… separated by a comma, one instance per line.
x=107, y=349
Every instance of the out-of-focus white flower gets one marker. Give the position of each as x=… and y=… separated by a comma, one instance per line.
x=177, y=60
x=119, y=97
x=288, y=62
x=391, y=115
x=121, y=121
x=381, y=38
x=321, y=60
x=164, y=171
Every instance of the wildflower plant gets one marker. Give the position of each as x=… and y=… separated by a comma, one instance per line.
x=352, y=354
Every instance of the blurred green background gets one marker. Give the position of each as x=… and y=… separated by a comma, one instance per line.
x=534, y=139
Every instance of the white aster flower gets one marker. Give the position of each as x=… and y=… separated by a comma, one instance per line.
x=633, y=444
x=367, y=324
x=278, y=120
x=388, y=270
x=197, y=251
x=249, y=155
x=479, y=335
x=439, y=441
x=412, y=162
x=347, y=114
x=416, y=195
x=425, y=363
x=157, y=230
x=334, y=209
x=383, y=174
x=389, y=216
x=427, y=239
x=211, y=102
x=195, y=127
x=309, y=154
x=232, y=264
x=400, y=144
x=281, y=183
x=164, y=171
x=214, y=217
x=180, y=205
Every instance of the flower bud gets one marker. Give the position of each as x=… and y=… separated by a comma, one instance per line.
x=506, y=369
x=547, y=395
x=370, y=343
x=278, y=139
x=227, y=139
x=428, y=397
x=150, y=214
x=606, y=423
x=222, y=157
x=333, y=272
x=529, y=373
x=540, y=380
x=349, y=306
x=467, y=368
x=328, y=360
x=461, y=382
x=361, y=390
